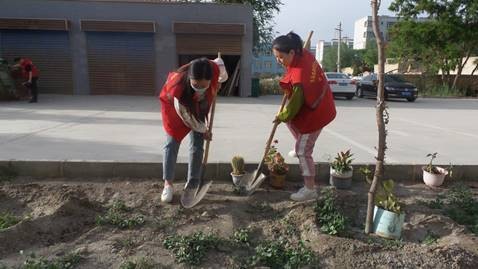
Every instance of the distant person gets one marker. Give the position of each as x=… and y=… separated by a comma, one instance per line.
x=186, y=99
x=310, y=105
x=30, y=74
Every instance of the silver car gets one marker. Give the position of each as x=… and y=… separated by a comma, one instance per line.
x=341, y=84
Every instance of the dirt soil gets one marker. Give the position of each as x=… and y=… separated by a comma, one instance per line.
x=59, y=218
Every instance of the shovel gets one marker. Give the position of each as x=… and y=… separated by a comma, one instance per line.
x=255, y=179
x=192, y=196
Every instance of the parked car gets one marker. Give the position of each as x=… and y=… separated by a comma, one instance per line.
x=395, y=87
x=341, y=84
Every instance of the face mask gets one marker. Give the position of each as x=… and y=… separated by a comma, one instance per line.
x=199, y=90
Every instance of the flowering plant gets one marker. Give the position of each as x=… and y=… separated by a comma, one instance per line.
x=275, y=162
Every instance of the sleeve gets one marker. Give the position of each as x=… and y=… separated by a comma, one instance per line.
x=293, y=106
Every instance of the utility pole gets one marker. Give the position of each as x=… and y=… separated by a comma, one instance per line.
x=338, y=46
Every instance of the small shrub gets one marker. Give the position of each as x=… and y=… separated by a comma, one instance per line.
x=430, y=238
x=191, y=249
x=241, y=237
x=7, y=220
x=116, y=216
x=462, y=207
x=282, y=254
x=330, y=220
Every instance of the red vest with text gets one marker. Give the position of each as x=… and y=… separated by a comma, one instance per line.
x=318, y=109
x=172, y=123
x=35, y=72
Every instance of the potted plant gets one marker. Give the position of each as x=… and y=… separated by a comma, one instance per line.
x=433, y=175
x=277, y=167
x=341, y=170
x=388, y=216
x=238, y=172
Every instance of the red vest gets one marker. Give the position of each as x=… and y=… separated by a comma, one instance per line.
x=172, y=123
x=319, y=107
x=35, y=72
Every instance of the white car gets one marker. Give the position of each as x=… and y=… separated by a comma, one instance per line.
x=341, y=84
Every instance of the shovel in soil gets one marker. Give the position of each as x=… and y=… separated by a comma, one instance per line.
x=256, y=178
x=194, y=192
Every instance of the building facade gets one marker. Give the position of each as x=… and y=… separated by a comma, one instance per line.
x=264, y=64
x=122, y=47
x=363, y=30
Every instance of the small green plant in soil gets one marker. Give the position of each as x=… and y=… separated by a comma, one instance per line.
x=191, y=249
x=66, y=262
x=140, y=263
x=458, y=204
x=330, y=220
x=7, y=173
x=385, y=199
x=117, y=215
x=7, y=220
x=282, y=254
x=241, y=237
x=430, y=238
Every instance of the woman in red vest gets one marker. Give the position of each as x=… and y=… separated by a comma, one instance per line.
x=30, y=74
x=310, y=105
x=186, y=99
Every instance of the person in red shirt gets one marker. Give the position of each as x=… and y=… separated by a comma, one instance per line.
x=186, y=100
x=30, y=73
x=310, y=105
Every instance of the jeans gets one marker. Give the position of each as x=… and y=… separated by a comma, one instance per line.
x=196, y=151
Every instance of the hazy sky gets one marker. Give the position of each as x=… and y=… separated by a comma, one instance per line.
x=323, y=16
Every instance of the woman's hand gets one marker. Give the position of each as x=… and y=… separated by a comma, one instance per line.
x=207, y=135
x=276, y=120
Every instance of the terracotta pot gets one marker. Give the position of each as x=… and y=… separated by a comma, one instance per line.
x=277, y=181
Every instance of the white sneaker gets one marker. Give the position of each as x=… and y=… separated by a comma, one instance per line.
x=292, y=154
x=304, y=194
x=167, y=195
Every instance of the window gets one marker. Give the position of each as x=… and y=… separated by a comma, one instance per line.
x=365, y=23
x=268, y=64
x=258, y=64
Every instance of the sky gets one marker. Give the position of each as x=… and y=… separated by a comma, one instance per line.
x=323, y=17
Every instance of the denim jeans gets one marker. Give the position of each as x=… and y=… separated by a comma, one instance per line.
x=196, y=151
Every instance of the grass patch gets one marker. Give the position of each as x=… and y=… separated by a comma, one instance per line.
x=328, y=216
x=430, y=238
x=191, y=249
x=66, y=262
x=117, y=215
x=7, y=220
x=242, y=237
x=442, y=91
x=459, y=205
x=140, y=263
x=282, y=254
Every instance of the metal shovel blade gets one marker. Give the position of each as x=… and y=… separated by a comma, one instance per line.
x=254, y=181
x=192, y=196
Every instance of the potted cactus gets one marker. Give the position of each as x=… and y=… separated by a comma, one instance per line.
x=433, y=175
x=238, y=172
x=388, y=216
x=341, y=170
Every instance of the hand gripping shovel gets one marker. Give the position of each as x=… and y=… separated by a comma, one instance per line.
x=256, y=178
x=192, y=196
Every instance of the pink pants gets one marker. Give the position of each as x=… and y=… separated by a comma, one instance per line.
x=304, y=146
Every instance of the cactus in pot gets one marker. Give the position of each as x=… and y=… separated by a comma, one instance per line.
x=238, y=172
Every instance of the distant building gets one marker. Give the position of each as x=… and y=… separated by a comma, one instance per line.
x=324, y=45
x=265, y=64
x=363, y=30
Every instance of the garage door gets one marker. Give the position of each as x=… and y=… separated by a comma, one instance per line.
x=121, y=63
x=49, y=51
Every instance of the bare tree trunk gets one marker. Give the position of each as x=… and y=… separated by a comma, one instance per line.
x=474, y=70
x=460, y=68
x=380, y=110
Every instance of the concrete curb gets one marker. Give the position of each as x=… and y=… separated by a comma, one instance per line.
x=216, y=171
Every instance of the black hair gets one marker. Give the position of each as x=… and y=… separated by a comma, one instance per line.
x=197, y=69
x=17, y=59
x=288, y=42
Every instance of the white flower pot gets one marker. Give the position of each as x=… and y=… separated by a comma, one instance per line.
x=238, y=179
x=434, y=180
x=341, y=180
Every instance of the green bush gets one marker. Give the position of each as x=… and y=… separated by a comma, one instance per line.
x=117, y=216
x=7, y=220
x=191, y=249
x=282, y=254
x=329, y=218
